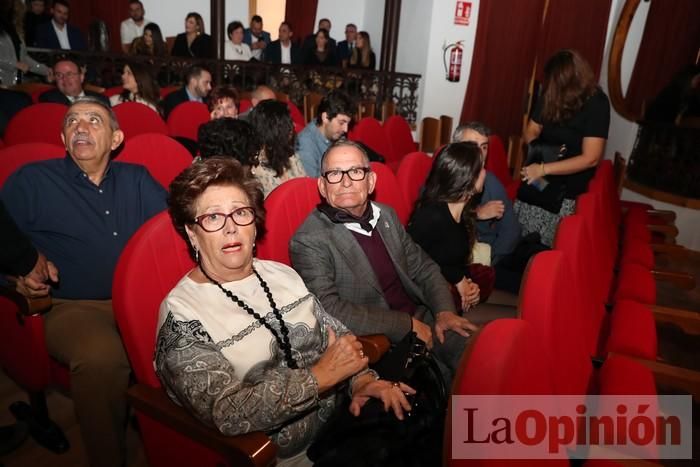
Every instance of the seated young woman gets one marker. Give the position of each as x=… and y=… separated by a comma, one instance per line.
x=139, y=86
x=443, y=220
x=267, y=356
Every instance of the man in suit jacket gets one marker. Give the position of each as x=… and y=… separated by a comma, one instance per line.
x=256, y=38
x=344, y=49
x=197, y=89
x=69, y=82
x=57, y=33
x=366, y=270
x=283, y=50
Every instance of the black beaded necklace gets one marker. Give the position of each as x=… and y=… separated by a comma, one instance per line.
x=282, y=340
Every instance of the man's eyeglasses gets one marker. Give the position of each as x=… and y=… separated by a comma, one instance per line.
x=215, y=221
x=355, y=174
x=68, y=74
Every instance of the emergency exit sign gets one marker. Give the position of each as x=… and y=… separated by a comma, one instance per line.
x=463, y=11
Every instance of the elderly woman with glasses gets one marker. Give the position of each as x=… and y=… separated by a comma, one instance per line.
x=242, y=343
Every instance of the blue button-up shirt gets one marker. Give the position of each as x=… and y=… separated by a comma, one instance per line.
x=311, y=144
x=80, y=226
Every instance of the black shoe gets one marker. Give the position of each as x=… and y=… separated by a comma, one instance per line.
x=45, y=432
x=12, y=437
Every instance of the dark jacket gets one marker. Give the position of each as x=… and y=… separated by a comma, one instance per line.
x=57, y=97
x=342, y=51
x=174, y=99
x=201, y=47
x=273, y=53
x=46, y=37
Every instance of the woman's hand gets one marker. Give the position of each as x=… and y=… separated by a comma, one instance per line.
x=393, y=395
x=532, y=172
x=22, y=66
x=342, y=359
x=469, y=292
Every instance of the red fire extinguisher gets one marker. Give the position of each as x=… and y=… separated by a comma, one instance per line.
x=455, y=68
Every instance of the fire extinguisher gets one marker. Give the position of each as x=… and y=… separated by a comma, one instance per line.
x=455, y=68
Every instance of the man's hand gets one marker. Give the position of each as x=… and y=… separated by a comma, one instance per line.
x=22, y=66
x=448, y=321
x=423, y=332
x=468, y=292
x=492, y=210
x=35, y=284
x=261, y=44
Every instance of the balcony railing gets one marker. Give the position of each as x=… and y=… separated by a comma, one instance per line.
x=665, y=157
x=104, y=69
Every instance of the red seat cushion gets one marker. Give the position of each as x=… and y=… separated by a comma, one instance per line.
x=635, y=282
x=632, y=330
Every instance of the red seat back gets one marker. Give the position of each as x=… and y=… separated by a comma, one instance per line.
x=135, y=119
x=546, y=303
x=38, y=123
x=164, y=91
x=113, y=91
x=164, y=157
x=287, y=208
x=497, y=161
x=398, y=133
x=369, y=131
x=297, y=117
x=245, y=105
x=185, y=118
x=153, y=261
x=14, y=157
x=387, y=191
x=411, y=175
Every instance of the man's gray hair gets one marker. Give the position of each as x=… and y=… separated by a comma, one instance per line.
x=344, y=143
x=113, y=122
x=475, y=126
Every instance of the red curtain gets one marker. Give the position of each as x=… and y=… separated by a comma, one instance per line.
x=301, y=14
x=504, y=52
x=573, y=24
x=670, y=43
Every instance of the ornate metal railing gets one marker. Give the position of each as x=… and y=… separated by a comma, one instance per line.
x=666, y=157
x=104, y=69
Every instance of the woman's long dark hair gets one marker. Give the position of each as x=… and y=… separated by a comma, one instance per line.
x=453, y=178
x=160, y=49
x=568, y=83
x=273, y=123
x=148, y=88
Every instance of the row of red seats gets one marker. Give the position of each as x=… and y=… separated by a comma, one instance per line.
x=134, y=119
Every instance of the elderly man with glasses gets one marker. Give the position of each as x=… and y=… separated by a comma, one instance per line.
x=356, y=257
x=69, y=85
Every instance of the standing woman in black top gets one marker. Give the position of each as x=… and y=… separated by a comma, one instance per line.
x=443, y=220
x=362, y=54
x=573, y=116
x=193, y=42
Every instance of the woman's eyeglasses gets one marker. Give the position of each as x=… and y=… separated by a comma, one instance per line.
x=215, y=221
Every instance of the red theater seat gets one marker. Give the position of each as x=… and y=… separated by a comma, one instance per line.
x=387, y=191
x=38, y=123
x=164, y=157
x=185, y=118
x=411, y=175
x=135, y=119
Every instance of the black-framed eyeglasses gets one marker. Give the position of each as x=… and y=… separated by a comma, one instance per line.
x=355, y=174
x=215, y=221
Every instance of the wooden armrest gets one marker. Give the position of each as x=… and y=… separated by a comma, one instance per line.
x=679, y=279
x=374, y=346
x=688, y=321
x=670, y=232
x=251, y=449
x=673, y=376
x=27, y=306
x=667, y=216
x=670, y=249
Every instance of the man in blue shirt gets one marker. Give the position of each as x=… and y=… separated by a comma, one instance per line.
x=79, y=212
x=334, y=115
x=496, y=224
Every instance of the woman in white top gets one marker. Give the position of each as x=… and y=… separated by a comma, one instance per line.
x=236, y=49
x=139, y=86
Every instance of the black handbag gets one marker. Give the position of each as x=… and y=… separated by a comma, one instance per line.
x=378, y=438
x=550, y=194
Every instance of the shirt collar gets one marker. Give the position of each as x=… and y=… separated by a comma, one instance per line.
x=192, y=97
x=75, y=172
x=355, y=226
